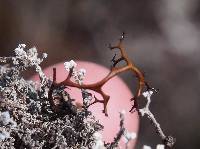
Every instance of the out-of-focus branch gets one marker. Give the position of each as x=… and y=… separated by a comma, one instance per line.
x=120, y=133
x=167, y=140
x=123, y=132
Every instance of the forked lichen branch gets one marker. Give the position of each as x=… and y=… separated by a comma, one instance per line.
x=97, y=87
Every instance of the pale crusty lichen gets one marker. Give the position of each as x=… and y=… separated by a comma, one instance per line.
x=26, y=116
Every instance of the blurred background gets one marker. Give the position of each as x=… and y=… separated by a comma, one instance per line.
x=163, y=39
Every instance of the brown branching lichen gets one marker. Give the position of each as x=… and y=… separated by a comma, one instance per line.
x=97, y=87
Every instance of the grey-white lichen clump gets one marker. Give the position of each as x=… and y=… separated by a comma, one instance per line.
x=26, y=116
